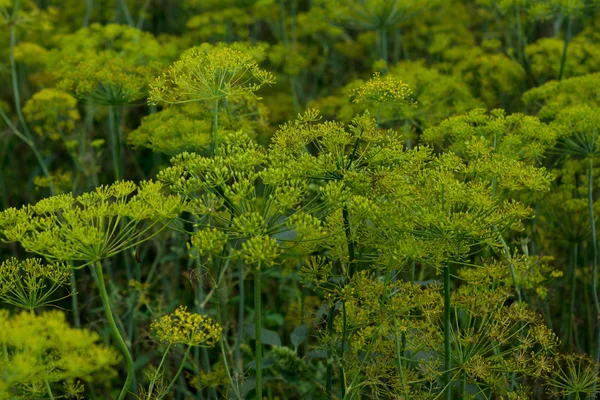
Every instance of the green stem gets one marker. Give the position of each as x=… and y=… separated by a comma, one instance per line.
x=113, y=112
x=162, y=361
x=115, y=330
x=238, y=354
x=74, y=299
x=568, y=34
x=26, y=135
x=177, y=373
x=447, y=360
x=226, y=364
x=399, y=358
x=89, y=5
x=216, y=127
x=258, y=332
x=350, y=243
x=572, y=288
x=49, y=389
x=126, y=13
x=329, y=378
x=594, y=263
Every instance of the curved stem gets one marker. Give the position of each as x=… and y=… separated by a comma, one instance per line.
x=258, y=332
x=115, y=330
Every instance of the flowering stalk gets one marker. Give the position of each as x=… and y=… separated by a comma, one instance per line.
x=113, y=115
x=594, y=263
x=162, y=361
x=258, y=332
x=568, y=34
x=187, y=352
x=447, y=359
x=115, y=330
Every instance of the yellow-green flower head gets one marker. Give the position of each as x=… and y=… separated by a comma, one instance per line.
x=18, y=12
x=52, y=113
x=88, y=228
x=108, y=64
x=381, y=90
x=580, y=129
x=38, y=348
x=554, y=96
x=546, y=53
x=261, y=251
x=183, y=327
x=375, y=14
x=173, y=130
x=545, y=9
x=211, y=72
x=29, y=284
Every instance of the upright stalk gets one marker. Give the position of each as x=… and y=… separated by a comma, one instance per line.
x=162, y=361
x=594, y=263
x=258, y=332
x=216, y=126
x=177, y=373
x=447, y=360
x=238, y=354
x=571, y=314
x=26, y=135
x=115, y=330
x=568, y=35
x=113, y=115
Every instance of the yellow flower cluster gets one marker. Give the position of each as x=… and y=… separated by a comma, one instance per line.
x=382, y=90
x=38, y=348
x=210, y=72
x=52, y=113
x=187, y=328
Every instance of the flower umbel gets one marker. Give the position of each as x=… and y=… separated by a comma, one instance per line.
x=187, y=328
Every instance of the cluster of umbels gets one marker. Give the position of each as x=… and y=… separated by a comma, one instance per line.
x=107, y=64
x=94, y=225
x=39, y=352
x=349, y=205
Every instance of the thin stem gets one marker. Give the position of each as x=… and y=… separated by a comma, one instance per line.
x=573, y=288
x=162, y=361
x=399, y=357
x=350, y=243
x=177, y=373
x=74, y=299
x=258, y=332
x=113, y=116
x=594, y=262
x=49, y=389
x=216, y=127
x=238, y=356
x=115, y=330
x=26, y=136
x=126, y=13
x=447, y=360
x=89, y=5
x=329, y=378
x=568, y=35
